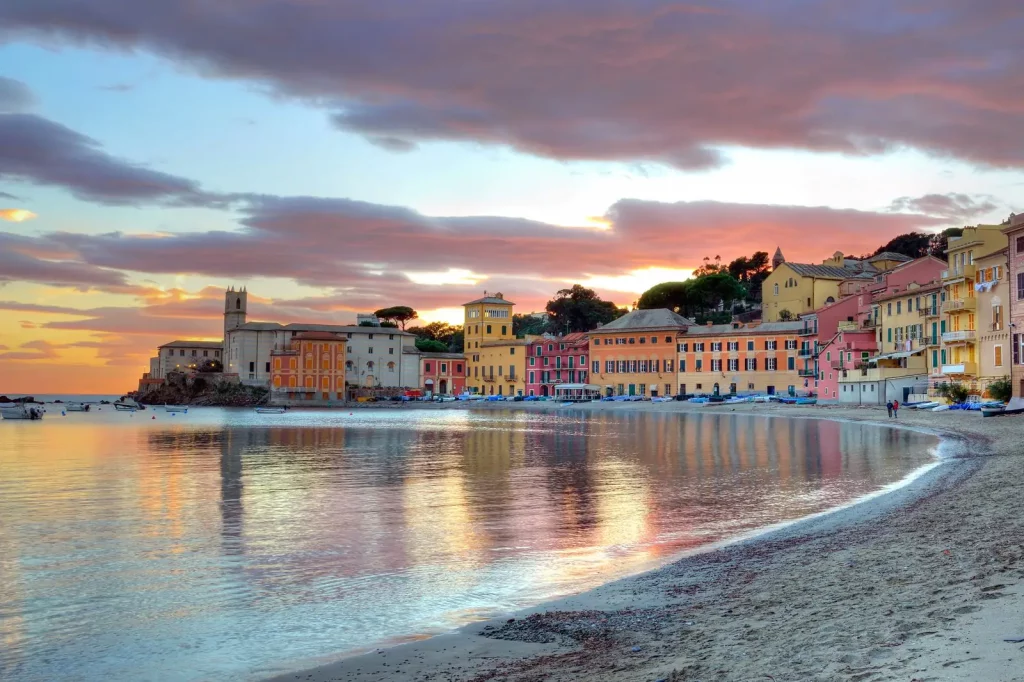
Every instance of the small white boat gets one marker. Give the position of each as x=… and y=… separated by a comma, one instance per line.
x=77, y=407
x=23, y=411
x=269, y=410
x=176, y=408
x=924, y=406
x=940, y=408
x=127, y=405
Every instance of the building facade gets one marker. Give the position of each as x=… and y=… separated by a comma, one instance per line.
x=636, y=354
x=1014, y=233
x=960, y=341
x=992, y=292
x=183, y=356
x=442, y=373
x=737, y=358
x=495, y=359
x=310, y=370
x=556, y=360
x=795, y=289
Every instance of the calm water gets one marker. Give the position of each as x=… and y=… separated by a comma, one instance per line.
x=225, y=544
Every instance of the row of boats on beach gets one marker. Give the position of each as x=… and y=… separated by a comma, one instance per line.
x=35, y=411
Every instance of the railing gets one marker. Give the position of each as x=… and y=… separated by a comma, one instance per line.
x=958, y=336
x=807, y=331
x=929, y=341
x=870, y=323
x=966, y=367
x=928, y=312
x=806, y=372
x=959, y=304
x=847, y=326
x=960, y=272
x=805, y=353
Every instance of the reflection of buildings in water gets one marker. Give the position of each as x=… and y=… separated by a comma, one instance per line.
x=12, y=623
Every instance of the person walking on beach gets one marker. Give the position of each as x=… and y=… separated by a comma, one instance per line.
x=896, y=409
x=888, y=408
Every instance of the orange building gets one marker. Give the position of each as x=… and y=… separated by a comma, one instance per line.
x=311, y=369
x=745, y=358
x=636, y=354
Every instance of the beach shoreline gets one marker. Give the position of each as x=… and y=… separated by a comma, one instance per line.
x=904, y=585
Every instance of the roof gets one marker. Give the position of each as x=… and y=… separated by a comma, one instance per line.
x=490, y=299
x=763, y=328
x=904, y=293
x=897, y=356
x=305, y=327
x=506, y=342
x=318, y=336
x=443, y=356
x=193, y=344
x=829, y=271
x=657, y=318
x=890, y=255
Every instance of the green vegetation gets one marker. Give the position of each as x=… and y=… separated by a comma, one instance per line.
x=430, y=346
x=524, y=325
x=954, y=392
x=580, y=309
x=399, y=314
x=1001, y=389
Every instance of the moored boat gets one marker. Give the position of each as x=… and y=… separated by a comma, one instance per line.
x=77, y=407
x=269, y=410
x=175, y=408
x=23, y=411
x=128, y=405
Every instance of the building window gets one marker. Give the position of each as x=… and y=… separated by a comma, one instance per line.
x=698, y=347
x=698, y=365
x=391, y=351
x=683, y=347
x=776, y=289
x=751, y=364
x=770, y=344
x=458, y=368
x=734, y=365
x=668, y=339
x=391, y=337
x=791, y=364
x=370, y=336
x=488, y=329
x=370, y=350
x=504, y=330
x=206, y=353
x=716, y=346
x=682, y=365
x=733, y=345
x=997, y=354
x=643, y=339
x=426, y=367
x=790, y=344
x=771, y=364
x=750, y=345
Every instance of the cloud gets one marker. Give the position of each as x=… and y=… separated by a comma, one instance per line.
x=34, y=149
x=637, y=80
x=15, y=97
x=33, y=350
x=16, y=215
x=951, y=206
x=5, y=195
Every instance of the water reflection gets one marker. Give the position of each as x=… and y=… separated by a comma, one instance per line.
x=225, y=545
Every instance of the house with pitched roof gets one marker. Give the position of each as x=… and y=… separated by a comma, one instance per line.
x=636, y=354
x=793, y=289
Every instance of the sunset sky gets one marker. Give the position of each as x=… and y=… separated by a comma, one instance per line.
x=338, y=156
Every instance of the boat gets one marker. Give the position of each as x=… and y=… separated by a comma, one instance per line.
x=806, y=401
x=270, y=410
x=77, y=407
x=176, y=408
x=23, y=411
x=924, y=406
x=698, y=399
x=127, y=405
x=940, y=408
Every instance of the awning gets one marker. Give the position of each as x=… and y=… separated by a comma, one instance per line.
x=897, y=356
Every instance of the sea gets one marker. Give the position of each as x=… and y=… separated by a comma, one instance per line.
x=223, y=544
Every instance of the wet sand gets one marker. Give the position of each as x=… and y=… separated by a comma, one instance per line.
x=924, y=583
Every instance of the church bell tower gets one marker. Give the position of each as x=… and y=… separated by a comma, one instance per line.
x=235, y=305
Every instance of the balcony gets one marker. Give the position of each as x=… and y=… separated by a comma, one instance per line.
x=962, y=336
x=805, y=353
x=930, y=341
x=960, y=368
x=960, y=304
x=928, y=312
x=807, y=372
x=870, y=323
x=958, y=273
x=847, y=326
x=808, y=331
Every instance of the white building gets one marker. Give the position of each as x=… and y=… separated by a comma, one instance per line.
x=182, y=356
x=374, y=356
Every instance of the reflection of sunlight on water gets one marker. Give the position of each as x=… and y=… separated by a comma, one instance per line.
x=231, y=545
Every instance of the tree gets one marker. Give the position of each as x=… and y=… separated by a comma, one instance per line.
x=580, y=309
x=954, y=392
x=717, y=291
x=940, y=242
x=399, y=313
x=709, y=267
x=436, y=331
x=911, y=244
x=1001, y=389
x=523, y=325
x=675, y=296
x=430, y=346
x=785, y=315
x=210, y=365
x=368, y=323
x=458, y=342
x=751, y=272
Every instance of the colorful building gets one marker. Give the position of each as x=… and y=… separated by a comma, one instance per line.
x=993, y=294
x=310, y=370
x=960, y=307
x=443, y=373
x=495, y=359
x=742, y=358
x=183, y=356
x=556, y=360
x=794, y=289
x=1015, y=283
x=636, y=354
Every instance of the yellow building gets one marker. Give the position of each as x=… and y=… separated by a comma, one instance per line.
x=800, y=288
x=992, y=290
x=960, y=341
x=495, y=359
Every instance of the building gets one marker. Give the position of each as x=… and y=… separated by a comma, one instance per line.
x=442, y=373
x=183, y=356
x=310, y=370
x=556, y=360
x=742, y=358
x=884, y=377
x=992, y=291
x=794, y=289
x=1015, y=283
x=495, y=358
x=374, y=354
x=636, y=354
x=960, y=307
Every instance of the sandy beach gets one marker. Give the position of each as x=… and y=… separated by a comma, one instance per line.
x=923, y=583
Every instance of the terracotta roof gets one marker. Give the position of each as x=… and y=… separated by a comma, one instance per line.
x=193, y=344
x=658, y=318
x=763, y=328
x=490, y=299
x=318, y=336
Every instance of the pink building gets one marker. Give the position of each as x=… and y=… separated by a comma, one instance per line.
x=1015, y=257
x=443, y=373
x=551, y=361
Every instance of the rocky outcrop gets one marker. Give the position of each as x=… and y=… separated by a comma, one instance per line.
x=211, y=390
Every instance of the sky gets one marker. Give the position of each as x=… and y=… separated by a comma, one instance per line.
x=337, y=156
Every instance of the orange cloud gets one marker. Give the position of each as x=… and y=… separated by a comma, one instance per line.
x=16, y=215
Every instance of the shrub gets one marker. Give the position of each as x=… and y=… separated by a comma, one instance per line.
x=954, y=392
x=1001, y=389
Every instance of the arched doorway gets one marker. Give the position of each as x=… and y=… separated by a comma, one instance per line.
x=443, y=387
x=544, y=390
